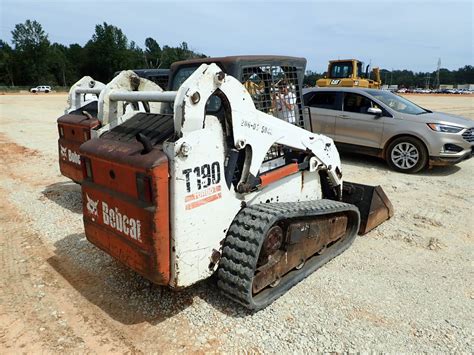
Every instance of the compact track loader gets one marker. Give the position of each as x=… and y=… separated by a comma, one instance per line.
x=83, y=114
x=218, y=183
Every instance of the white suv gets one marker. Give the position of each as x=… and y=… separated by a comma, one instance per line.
x=41, y=88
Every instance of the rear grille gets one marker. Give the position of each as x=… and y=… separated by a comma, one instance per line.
x=469, y=135
x=155, y=127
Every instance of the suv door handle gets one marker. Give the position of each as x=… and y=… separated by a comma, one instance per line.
x=343, y=116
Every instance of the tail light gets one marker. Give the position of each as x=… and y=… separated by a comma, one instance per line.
x=86, y=168
x=61, y=131
x=87, y=135
x=144, y=187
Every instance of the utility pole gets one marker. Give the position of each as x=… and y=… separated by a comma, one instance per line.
x=437, y=83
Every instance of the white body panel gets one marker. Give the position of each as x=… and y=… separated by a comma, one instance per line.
x=197, y=230
x=110, y=110
x=200, y=217
x=76, y=100
x=202, y=207
x=304, y=186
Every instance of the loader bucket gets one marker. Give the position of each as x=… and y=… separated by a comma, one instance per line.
x=374, y=206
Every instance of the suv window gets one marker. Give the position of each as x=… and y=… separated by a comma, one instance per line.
x=327, y=100
x=357, y=103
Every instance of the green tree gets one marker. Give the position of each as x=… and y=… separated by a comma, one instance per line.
x=60, y=66
x=174, y=54
x=7, y=64
x=311, y=77
x=29, y=36
x=135, y=56
x=152, y=53
x=465, y=75
x=32, y=49
x=106, y=52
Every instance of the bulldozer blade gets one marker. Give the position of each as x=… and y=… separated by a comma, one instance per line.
x=372, y=202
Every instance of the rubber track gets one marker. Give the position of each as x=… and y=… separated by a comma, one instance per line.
x=244, y=238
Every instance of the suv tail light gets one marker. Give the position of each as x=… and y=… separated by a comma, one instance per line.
x=86, y=168
x=144, y=188
x=61, y=131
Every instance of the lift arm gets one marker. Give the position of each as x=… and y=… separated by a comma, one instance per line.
x=251, y=127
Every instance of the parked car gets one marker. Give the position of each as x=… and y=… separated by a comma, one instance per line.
x=41, y=88
x=380, y=123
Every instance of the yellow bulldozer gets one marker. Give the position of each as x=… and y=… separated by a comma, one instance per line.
x=350, y=73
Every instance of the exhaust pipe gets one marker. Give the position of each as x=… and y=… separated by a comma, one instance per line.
x=372, y=202
x=147, y=146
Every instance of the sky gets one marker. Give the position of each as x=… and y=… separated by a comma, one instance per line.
x=389, y=34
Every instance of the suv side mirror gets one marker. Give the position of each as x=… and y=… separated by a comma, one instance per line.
x=375, y=111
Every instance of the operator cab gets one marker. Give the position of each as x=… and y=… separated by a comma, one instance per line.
x=261, y=76
x=345, y=69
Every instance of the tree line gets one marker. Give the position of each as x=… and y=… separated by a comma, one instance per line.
x=34, y=60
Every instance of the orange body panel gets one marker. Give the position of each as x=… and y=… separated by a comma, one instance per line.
x=73, y=131
x=69, y=166
x=277, y=174
x=116, y=219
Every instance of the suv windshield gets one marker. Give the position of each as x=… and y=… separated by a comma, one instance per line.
x=397, y=103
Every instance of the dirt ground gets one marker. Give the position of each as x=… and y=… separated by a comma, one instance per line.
x=406, y=286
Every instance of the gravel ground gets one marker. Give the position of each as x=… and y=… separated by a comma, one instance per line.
x=405, y=287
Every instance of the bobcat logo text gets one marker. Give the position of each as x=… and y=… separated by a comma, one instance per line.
x=113, y=218
x=70, y=155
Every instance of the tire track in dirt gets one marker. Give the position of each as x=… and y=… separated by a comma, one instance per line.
x=42, y=305
x=39, y=310
x=13, y=158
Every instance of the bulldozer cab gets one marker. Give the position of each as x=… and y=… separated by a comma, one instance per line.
x=262, y=76
x=345, y=69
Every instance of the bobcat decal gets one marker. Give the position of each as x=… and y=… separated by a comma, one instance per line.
x=92, y=206
x=63, y=152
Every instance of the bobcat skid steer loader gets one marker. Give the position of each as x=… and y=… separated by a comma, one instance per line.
x=216, y=185
x=83, y=115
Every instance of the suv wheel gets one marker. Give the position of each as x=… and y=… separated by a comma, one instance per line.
x=407, y=155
